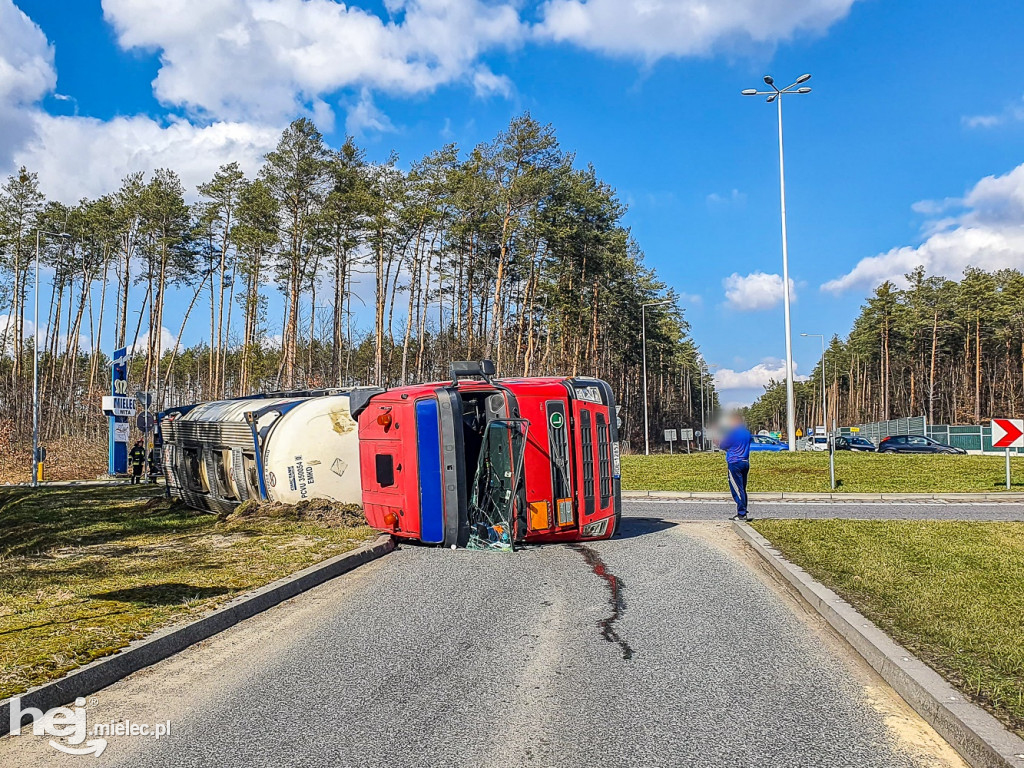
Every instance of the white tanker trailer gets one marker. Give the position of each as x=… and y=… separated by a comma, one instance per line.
x=278, y=447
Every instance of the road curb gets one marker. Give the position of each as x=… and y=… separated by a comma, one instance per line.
x=166, y=642
x=981, y=739
x=793, y=496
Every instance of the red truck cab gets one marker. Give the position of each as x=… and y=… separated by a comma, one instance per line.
x=491, y=462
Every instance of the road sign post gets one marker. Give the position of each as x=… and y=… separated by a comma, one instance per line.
x=832, y=457
x=1008, y=433
x=670, y=436
x=686, y=436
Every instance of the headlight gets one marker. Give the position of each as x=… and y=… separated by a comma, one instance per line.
x=596, y=529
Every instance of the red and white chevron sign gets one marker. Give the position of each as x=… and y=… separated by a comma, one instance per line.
x=1008, y=433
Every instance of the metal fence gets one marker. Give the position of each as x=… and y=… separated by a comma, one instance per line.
x=969, y=437
x=875, y=431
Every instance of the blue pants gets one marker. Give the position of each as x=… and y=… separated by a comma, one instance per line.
x=738, y=471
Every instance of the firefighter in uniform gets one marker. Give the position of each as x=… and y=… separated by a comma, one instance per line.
x=137, y=457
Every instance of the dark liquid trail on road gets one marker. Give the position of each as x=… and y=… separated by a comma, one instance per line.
x=615, y=586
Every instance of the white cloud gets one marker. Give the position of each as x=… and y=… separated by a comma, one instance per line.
x=8, y=327
x=691, y=299
x=987, y=231
x=268, y=59
x=26, y=58
x=167, y=342
x=652, y=29
x=759, y=376
x=242, y=69
x=364, y=117
x=79, y=156
x=743, y=387
x=758, y=290
x=1012, y=113
x=735, y=197
x=485, y=83
x=26, y=72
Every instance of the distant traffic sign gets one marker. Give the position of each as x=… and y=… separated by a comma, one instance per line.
x=145, y=421
x=686, y=434
x=1008, y=433
x=670, y=435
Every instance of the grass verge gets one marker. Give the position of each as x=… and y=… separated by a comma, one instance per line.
x=950, y=592
x=67, y=458
x=86, y=570
x=807, y=472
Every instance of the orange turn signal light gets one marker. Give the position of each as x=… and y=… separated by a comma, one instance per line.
x=391, y=519
x=385, y=419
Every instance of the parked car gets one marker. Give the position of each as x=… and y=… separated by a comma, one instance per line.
x=845, y=443
x=765, y=443
x=915, y=444
x=816, y=443
x=860, y=444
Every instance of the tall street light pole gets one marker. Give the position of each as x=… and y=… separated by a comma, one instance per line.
x=643, y=333
x=824, y=413
x=710, y=368
x=703, y=427
x=35, y=362
x=705, y=370
x=775, y=95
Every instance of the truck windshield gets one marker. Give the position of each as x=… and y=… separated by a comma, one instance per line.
x=492, y=498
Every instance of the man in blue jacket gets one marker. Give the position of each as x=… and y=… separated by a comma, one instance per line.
x=736, y=444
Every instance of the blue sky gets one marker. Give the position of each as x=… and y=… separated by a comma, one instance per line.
x=909, y=149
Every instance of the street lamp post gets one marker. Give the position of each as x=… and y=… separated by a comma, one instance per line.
x=775, y=95
x=643, y=333
x=35, y=362
x=703, y=428
x=710, y=368
x=824, y=412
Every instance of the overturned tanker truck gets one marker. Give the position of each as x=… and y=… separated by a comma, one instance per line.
x=478, y=461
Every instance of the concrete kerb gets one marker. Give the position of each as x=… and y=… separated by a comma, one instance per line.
x=103, y=672
x=981, y=739
x=838, y=496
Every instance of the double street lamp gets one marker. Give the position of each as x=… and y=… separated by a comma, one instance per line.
x=643, y=333
x=775, y=95
x=706, y=370
x=35, y=360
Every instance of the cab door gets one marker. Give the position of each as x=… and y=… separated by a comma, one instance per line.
x=593, y=470
x=562, y=512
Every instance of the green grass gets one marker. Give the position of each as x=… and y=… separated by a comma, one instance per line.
x=86, y=570
x=808, y=472
x=951, y=592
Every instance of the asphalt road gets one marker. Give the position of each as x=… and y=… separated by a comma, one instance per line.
x=707, y=510
x=668, y=646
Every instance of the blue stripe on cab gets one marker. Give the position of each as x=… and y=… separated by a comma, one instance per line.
x=428, y=451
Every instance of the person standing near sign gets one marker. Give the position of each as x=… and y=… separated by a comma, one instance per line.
x=137, y=459
x=736, y=445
